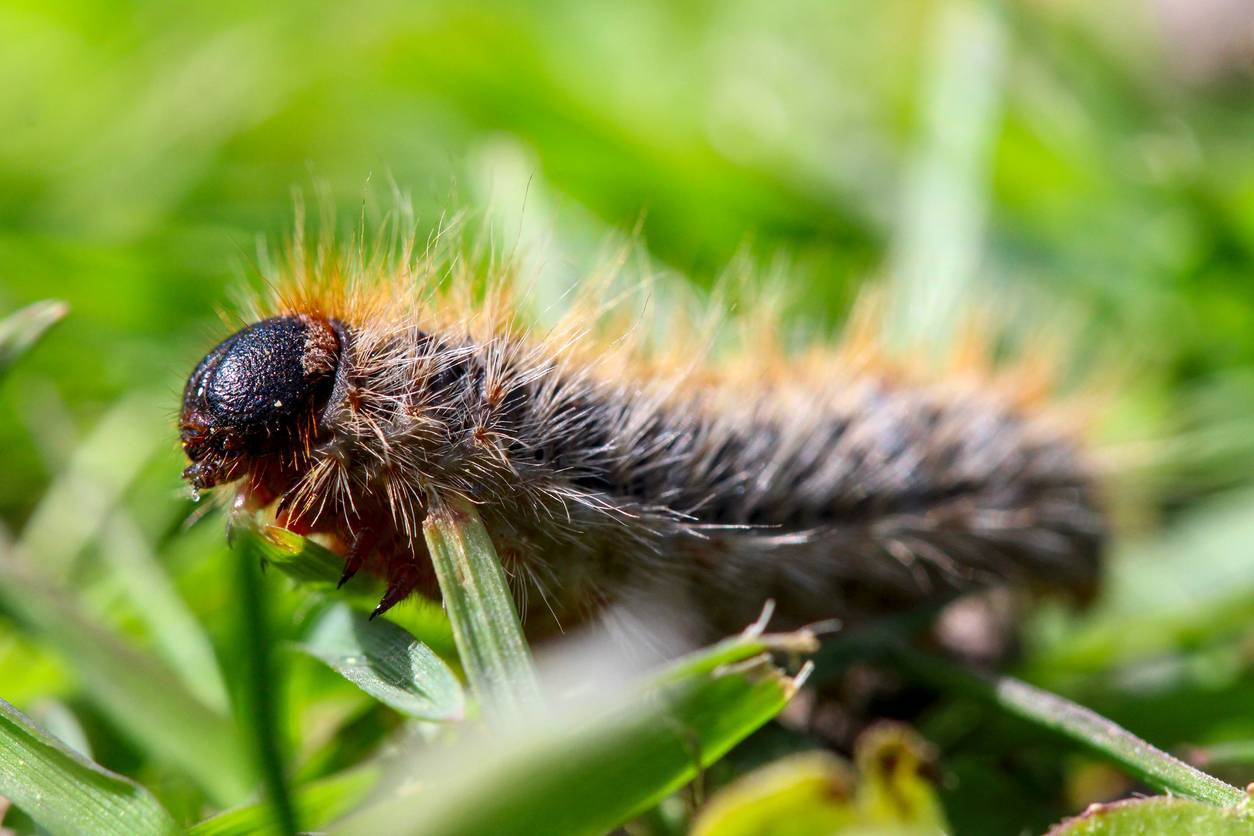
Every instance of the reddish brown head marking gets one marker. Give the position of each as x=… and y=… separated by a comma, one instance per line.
x=256, y=394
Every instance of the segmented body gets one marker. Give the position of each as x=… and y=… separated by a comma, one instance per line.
x=846, y=497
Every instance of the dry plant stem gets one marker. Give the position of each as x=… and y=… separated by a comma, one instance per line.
x=485, y=622
x=1075, y=722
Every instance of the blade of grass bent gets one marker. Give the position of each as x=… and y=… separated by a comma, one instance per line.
x=90, y=486
x=1077, y=723
x=176, y=634
x=22, y=329
x=387, y=663
x=65, y=792
x=87, y=492
x=134, y=689
x=485, y=622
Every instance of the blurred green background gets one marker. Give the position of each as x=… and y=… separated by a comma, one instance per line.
x=1096, y=160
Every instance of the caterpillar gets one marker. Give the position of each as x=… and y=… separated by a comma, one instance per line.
x=366, y=390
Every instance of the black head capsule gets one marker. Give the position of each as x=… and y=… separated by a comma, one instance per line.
x=257, y=393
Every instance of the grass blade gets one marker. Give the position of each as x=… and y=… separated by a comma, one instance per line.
x=90, y=487
x=1148, y=816
x=589, y=773
x=260, y=708
x=176, y=634
x=306, y=562
x=135, y=690
x=485, y=623
x=1075, y=722
x=940, y=238
x=65, y=792
x=86, y=498
x=22, y=329
x=57, y=719
x=317, y=804
x=387, y=663
x=309, y=564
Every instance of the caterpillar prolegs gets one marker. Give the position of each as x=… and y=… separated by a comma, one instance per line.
x=608, y=472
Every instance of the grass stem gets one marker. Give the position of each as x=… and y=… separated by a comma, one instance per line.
x=260, y=698
x=481, y=609
x=1074, y=722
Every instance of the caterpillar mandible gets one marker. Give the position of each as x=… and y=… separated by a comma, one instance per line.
x=369, y=388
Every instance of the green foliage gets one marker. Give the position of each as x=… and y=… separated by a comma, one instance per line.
x=132, y=688
x=1157, y=817
x=1084, y=726
x=262, y=677
x=481, y=608
x=387, y=663
x=65, y=792
x=21, y=330
x=316, y=803
x=586, y=769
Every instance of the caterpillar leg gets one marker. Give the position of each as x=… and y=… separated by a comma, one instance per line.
x=358, y=550
x=403, y=577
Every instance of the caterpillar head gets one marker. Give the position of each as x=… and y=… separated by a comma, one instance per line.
x=258, y=395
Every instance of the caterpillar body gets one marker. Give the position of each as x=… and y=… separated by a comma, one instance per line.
x=368, y=391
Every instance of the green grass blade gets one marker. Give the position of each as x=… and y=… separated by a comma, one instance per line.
x=142, y=696
x=91, y=485
x=485, y=622
x=940, y=237
x=309, y=564
x=317, y=804
x=64, y=792
x=22, y=329
x=306, y=562
x=1077, y=723
x=86, y=500
x=1158, y=817
x=177, y=636
x=260, y=702
x=57, y=719
x=387, y=663
x=591, y=773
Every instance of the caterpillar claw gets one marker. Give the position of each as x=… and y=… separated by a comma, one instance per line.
x=399, y=587
x=362, y=545
x=389, y=600
x=350, y=568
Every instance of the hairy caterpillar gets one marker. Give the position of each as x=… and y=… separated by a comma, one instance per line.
x=369, y=389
